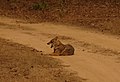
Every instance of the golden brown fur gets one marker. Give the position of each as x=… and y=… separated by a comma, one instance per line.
x=61, y=49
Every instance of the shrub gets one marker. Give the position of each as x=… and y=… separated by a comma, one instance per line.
x=39, y=6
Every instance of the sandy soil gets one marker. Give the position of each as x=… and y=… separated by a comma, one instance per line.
x=19, y=63
x=97, y=56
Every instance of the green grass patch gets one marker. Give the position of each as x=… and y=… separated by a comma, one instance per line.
x=39, y=6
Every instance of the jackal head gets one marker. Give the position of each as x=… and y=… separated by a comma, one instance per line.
x=53, y=42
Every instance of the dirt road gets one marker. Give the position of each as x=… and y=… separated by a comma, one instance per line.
x=97, y=56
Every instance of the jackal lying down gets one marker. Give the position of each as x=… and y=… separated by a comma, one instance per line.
x=61, y=49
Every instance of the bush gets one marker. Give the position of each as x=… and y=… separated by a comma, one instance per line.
x=39, y=6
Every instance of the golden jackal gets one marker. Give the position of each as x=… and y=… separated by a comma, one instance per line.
x=60, y=49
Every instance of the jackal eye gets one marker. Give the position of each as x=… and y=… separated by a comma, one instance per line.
x=52, y=41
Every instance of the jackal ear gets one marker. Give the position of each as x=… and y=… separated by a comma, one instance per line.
x=56, y=37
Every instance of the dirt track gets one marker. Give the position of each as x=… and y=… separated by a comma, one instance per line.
x=96, y=57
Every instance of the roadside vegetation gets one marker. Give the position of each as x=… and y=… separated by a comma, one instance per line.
x=102, y=15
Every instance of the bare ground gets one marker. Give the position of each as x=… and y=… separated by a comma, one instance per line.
x=97, y=56
x=19, y=63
